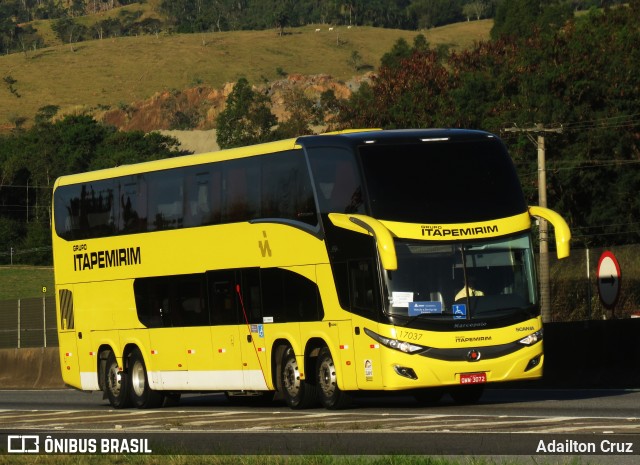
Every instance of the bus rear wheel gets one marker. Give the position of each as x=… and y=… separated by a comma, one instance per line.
x=142, y=395
x=331, y=396
x=116, y=385
x=297, y=393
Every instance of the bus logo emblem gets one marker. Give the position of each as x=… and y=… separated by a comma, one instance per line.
x=264, y=245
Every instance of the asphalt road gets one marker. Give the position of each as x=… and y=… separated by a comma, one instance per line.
x=602, y=424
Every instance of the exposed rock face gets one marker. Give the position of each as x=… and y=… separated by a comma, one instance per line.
x=198, y=107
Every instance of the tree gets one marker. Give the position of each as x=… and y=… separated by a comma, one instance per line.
x=522, y=18
x=302, y=112
x=68, y=30
x=432, y=13
x=281, y=19
x=31, y=160
x=400, y=51
x=476, y=9
x=246, y=119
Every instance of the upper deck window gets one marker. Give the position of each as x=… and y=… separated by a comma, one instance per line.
x=441, y=181
x=337, y=180
x=273, y=186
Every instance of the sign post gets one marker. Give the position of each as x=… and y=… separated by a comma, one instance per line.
x=609, y=277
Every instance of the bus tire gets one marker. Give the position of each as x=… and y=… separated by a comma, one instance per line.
x=142, y=396
x=297, y=393
x=331, y=396
x=465, y=395
x=116, y=384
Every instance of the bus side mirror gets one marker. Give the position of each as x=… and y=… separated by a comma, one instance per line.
x=366, y=224
x=560, y=227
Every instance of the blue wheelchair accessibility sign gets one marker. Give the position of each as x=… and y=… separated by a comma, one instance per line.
x=459, y=312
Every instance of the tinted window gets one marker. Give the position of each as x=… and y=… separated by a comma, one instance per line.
x=286, y=188
x=251, y=304
x=269, y=186
x=166, y=200
x=441, y=182
x=353, y=263
x=363, y=286
x=227, y=297
x=204, y=195
x=87, y=210
x=241, y=190
x=337, y=181
x=222, y=297
x=289, y=296
x=172, y=301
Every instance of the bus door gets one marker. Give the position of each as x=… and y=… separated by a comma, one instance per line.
x=252, y=337
x=365, y=303
x=226, y=332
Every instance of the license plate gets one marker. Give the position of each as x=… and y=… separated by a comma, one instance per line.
x=473, y=378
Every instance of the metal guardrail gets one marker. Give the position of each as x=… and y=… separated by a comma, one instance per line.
x=28, y=323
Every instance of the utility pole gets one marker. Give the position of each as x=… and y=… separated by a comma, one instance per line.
x=545, y=286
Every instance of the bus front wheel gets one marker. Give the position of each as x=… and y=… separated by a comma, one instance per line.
x=331, y=396
x=142, y=395
x=116, y=385
x=297, y=393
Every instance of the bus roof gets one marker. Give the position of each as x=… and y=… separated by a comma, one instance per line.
x=351, y=137
x=396, y=135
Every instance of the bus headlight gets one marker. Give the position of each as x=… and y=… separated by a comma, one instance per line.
x=532, y=338
x=402, y=346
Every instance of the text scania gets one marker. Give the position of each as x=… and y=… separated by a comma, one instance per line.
x=107, y=258
x=439, y=231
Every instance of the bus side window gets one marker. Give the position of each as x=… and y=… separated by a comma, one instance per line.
x=337, y=180
x=362, y=285
x=241, y=190
x=273, y=294
x=222, y=297
x=203, y=198
x=302, y=298
x=286, y=188
x=191, y=300
x=132, y=205
x=149, y=301
x=250, y=291
x=166, y=199
x=288, y=296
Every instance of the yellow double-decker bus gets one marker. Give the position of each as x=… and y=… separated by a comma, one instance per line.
x=307, y=269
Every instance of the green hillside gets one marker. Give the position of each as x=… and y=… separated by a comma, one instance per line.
x=118, y=71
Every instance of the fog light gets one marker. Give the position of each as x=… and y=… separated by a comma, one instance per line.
x=405, y=371
x=534, y=362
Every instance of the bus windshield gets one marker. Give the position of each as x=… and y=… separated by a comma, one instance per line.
x=481, y=279
x=441, y=182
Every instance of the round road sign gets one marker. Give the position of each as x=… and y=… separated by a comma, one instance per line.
x=609, y=277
